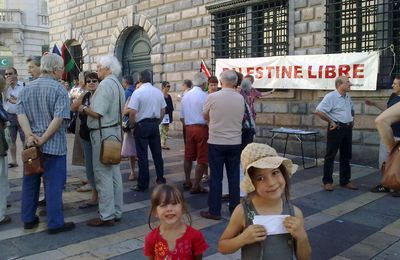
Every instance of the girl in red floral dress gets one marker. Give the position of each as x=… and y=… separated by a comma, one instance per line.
x=172, y=239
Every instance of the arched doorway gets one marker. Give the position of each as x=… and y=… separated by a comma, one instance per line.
x=136, y=53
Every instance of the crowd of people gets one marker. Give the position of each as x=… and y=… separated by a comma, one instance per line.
x=218, y=131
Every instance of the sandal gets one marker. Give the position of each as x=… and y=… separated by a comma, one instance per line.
x=200, y=190
x=204, y=178
x=379, y=189
x=165, y=147
x=132, y=177
x=87, y=205
x=84, y=188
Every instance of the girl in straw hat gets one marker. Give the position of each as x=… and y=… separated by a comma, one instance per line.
x=266, y=181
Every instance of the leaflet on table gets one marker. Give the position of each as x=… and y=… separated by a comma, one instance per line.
x=272, y=223
x=290, y=131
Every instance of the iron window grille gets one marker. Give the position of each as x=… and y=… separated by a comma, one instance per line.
x=250, y=29
x=366, y=25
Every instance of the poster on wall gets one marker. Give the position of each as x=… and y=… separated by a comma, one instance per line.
x=307, y=71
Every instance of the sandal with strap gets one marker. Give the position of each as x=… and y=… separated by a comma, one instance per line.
x=379, y=189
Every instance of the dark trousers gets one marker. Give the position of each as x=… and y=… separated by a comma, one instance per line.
x=218, y=155
x=338, y=139
x=55, y=167
x=247, y=136
x=147, y=135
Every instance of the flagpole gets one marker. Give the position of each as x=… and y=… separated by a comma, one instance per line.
x=72, y=57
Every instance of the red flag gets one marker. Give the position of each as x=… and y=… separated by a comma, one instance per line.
x=203, y=68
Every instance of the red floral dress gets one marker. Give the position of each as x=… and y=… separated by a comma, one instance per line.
x=190, y=244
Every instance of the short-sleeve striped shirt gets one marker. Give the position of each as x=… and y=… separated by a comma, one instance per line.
x=42, y=100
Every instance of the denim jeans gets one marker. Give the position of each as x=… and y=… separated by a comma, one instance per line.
x=218, y=155
x=87, y=151
x=147, y=135
x=55, y=167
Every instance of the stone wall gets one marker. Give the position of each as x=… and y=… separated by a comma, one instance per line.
x=180, y=36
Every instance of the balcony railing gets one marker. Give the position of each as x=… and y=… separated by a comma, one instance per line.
x=43, y=20
x=10, y=16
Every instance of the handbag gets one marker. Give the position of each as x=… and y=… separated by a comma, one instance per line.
x=391, y=169
x=126, y=126
x=33, y=161
x=110, y=149
x=250, y=127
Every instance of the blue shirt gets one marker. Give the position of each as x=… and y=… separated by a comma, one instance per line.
x=41, y=101
x=338, y=108
x=128, y=91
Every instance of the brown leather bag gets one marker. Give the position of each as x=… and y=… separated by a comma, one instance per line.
x=110, y=152
x=391, y=169
x=33, y=161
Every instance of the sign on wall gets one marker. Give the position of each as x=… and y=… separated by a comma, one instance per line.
x=5, y=62
x=307, y=71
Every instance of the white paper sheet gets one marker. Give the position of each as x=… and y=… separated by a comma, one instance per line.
x=165, y=119
x=272, y=223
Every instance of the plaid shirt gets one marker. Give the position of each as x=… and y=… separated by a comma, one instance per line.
x=42, y=100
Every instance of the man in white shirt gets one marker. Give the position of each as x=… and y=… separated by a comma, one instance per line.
x=147, y=106
x=14, y=88
x=196, y=147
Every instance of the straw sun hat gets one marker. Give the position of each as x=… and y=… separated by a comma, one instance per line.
x=264, y=157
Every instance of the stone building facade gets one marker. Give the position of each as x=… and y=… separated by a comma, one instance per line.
x=24, y=31
x=170, y=37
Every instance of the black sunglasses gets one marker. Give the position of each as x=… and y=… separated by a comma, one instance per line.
x=92, y=81
x=9, y=74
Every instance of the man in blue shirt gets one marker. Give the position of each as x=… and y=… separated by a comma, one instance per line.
x=42, y=109
x=127, y=84
x=336, y=108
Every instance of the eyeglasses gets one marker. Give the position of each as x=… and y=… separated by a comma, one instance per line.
x=8, y=74
x=92, y=81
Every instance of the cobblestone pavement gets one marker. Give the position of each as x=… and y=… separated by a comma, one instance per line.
x=342, y=224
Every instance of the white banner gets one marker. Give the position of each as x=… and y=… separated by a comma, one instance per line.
x=307, y=71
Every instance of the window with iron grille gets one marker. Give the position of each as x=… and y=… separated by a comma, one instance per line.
x=249, y=29
x=366, y=25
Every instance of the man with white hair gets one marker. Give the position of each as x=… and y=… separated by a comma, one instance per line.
x=196, y=128
x=104, y=121
x=224, y=111
x=43, y=108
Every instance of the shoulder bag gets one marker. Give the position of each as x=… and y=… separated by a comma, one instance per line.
x=33, y=161
x=110, y=150
x=391, y=169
